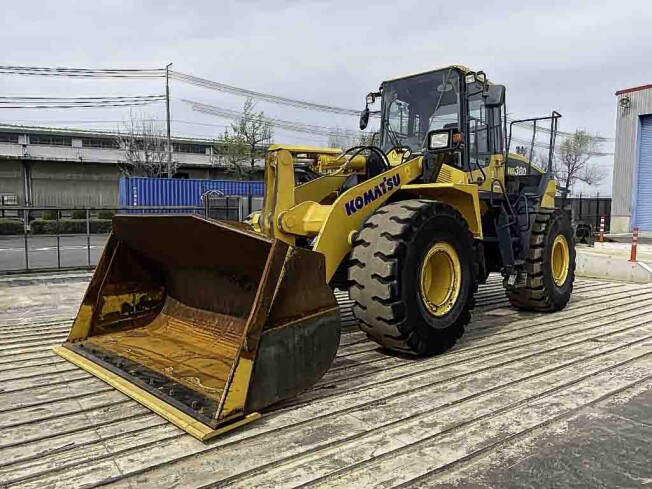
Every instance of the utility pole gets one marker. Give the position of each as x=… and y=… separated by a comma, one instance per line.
x=167, y=114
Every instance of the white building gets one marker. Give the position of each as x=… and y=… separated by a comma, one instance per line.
x=43, y=166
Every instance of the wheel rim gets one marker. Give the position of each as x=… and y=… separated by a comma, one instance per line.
x=441, y=278
x=560, y=260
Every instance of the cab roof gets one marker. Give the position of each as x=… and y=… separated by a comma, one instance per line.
x=461, y=68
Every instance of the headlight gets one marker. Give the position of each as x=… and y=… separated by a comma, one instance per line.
x=439, y=140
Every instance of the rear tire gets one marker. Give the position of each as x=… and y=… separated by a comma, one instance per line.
x=399, y=245
x=548, y=288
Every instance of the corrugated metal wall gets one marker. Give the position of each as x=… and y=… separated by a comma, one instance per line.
x=11, y=179
x=627, y=128
x=177, y=192
x=64, y=184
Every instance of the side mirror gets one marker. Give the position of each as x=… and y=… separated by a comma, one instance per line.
x=442, y=140
x=495, y=95
x=364, y=118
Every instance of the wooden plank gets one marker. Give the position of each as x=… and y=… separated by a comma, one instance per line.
x=596, y=296
x=50, y=375
x=352, y=338
x=74, y=431
x=329, y=429
x=9, y=338
x=354, y=461
x=503, y=341
x=392, y=380
x=16, y=352
x=50, y=393
x=480, y=321
x=511, y=452
x=62, y=452
x=39, y=357
x=9, y=322
x=52, y=463
x=359, y=429
x=33, y=326
x=433, y=452
x=36, y=353
x=35, y=420
x=26, y=368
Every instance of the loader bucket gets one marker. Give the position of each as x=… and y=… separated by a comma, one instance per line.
x=204, y=322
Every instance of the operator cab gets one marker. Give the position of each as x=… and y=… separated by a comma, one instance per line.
x=451, y=99
x=466, y=114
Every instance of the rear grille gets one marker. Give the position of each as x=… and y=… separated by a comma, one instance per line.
x=445, y=176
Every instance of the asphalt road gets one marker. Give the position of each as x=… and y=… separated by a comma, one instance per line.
x=42, y=251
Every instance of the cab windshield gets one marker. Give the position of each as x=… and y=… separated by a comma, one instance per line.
x=415, y=105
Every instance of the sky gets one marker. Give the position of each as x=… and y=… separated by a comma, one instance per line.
x=570, y=56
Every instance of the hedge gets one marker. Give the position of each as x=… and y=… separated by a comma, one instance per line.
x=50, y=215
x=10, y=226
x=70, y=226
x=105, y=214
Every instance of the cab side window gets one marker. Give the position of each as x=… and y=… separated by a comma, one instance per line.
x=478, y=145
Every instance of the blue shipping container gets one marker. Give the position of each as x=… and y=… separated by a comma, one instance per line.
x=172, y=192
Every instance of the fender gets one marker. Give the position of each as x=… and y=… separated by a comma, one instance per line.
x=354, y=206
x=462, y=196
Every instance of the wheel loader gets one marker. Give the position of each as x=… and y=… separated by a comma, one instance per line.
x=208, y=322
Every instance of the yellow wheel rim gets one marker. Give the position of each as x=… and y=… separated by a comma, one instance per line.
x=441, y=279
x=560, y=260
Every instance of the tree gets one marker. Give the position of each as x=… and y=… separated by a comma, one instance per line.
x=573, y=163
x=345, y=139
x=144, y=146
x=247, y=140
x=233, y=152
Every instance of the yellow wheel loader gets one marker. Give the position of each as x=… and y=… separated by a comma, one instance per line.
x=207, y=323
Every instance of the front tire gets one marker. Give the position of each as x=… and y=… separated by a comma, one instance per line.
x=413, y=276
x=550, y=265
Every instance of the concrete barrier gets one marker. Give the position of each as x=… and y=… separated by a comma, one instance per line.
x=600, y=265
x=622, y=247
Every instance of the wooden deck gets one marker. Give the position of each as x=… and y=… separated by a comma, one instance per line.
x=374, y=419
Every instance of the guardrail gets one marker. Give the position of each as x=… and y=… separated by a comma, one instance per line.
x=48, y=238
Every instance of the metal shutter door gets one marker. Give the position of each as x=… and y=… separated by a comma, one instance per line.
x=643, y=216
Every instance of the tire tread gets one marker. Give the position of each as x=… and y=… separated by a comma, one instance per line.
x=377, y=302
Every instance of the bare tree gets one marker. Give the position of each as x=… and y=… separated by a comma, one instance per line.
x=345, y=139
x=573, y=163
x=144, y=147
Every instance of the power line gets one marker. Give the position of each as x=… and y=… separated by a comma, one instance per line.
x=546, y=130
x=78, y=102
x=176, y=134
x=138, y=73
x=277, y=99
x=80, y=106
x=289, y=125
x=546, y=146
x=109, y=121
x=108, y=97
